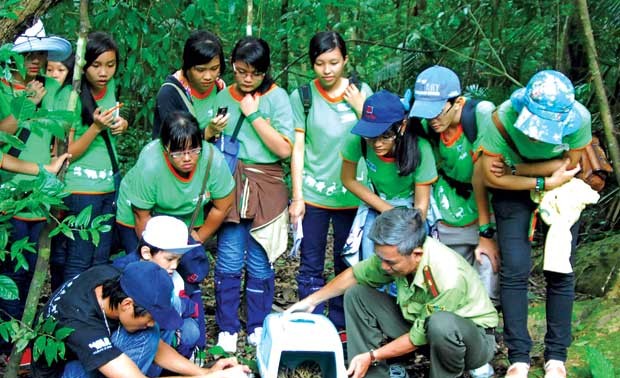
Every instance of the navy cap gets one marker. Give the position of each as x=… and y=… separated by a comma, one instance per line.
x=433, y=87
x=150, y=286
x=380, y=111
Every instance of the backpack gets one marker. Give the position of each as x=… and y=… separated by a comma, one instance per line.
x=306, y=95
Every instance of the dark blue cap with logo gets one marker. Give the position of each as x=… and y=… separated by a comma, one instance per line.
x=380, y=111
x=150, y=286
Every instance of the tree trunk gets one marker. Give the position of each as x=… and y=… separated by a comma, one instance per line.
x=599, y=88
x=32, y=301
x=10, y=28
x=250, y=19
x=284, y=48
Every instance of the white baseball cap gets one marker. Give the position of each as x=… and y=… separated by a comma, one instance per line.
x=167, y=233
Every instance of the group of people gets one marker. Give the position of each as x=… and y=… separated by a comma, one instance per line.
x=381, y=172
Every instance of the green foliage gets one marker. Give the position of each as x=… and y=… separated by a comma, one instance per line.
x=49, y=341
x=600, y=367
x=10, y=9
x=81, y=224
x=8, y=288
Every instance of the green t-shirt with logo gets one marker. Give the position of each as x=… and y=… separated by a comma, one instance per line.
x=493, y=142
x=153, y=184
x=38, y=144
x=328, y=124
x=383, y=173
x=455, y=157
x=275, y=107
x=92, y=172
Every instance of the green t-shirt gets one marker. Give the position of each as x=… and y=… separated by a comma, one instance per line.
x=383, y=173
x=460, y=290
x=5, y=108
x=275, y=107
x=204, y=106
x=455, y=158
x=38, y=144
x=92, y=172
x=328, y=124
x=493, y=142
x=153, y=184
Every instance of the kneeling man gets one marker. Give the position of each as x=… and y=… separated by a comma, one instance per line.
x=441, y=302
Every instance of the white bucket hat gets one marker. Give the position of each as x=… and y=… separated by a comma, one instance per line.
x=34, y=39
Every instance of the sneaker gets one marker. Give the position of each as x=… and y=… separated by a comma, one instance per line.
x=555, y=369
x=518, y=370
x=254, y=337
x=484, y=371
x=398, y=371
x=228, y=341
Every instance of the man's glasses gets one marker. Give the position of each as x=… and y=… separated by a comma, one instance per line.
x=181, y=154
x=443, y=113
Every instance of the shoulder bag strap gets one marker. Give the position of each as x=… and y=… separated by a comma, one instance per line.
x=183, y=94
x=108, y=145
x=237, y=127
x=202, y=190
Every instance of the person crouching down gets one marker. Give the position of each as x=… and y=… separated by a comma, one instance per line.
x=116, y=316
x=165, y=241
x=441, y=302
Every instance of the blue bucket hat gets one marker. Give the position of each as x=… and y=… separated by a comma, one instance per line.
x=433, y=87
x=151, y=287
x=380, y=111
x=546, y=107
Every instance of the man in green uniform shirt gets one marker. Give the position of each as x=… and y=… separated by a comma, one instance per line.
x=441, y=302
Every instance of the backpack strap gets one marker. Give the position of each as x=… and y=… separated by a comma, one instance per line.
x=306, y=98
x=468, y=120
x=364, y=147
x=502, y=130
x=184, y=96
x=202, y=190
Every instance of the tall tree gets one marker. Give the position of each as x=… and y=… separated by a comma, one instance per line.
x=599, y=87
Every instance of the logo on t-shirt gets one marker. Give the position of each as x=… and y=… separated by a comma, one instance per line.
x=100, y=345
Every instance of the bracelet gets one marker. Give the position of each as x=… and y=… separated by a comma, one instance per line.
x=254, y=116
x=540, y=184
x=513, y=170
x=487, y=226
x=373, y=360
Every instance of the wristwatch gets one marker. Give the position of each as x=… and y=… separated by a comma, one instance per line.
x=487, y=232
x=373, y=360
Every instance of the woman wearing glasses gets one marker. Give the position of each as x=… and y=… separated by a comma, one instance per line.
x=257, y=226
x=167, y=179
x=401, y=167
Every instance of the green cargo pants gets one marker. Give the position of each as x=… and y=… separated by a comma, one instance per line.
x=456, y=344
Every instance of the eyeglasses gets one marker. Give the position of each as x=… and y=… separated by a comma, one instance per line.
x=385, y=137
x=443, y=113
x=244, y=73
x=180, y=154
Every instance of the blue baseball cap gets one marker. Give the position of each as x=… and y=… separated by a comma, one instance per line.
x=151, y=287
x=546, y=107
x=380, y=111
x=433, y=87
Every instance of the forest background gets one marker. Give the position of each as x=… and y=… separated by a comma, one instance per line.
x=495, y=46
